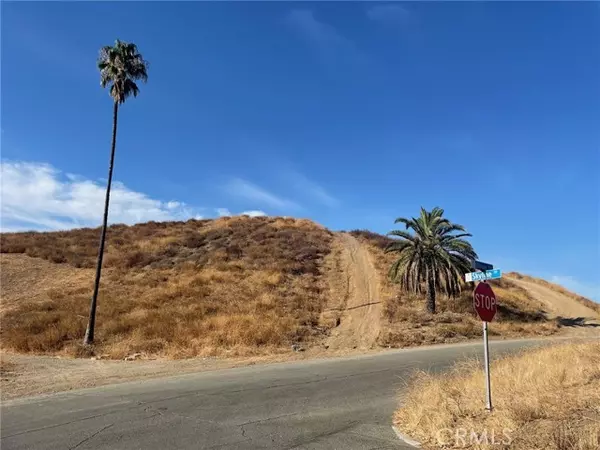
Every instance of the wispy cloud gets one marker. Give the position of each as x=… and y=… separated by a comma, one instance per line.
x=36, y=196
x=249, y=191
x=588, y=290
x=224, y=212
x=304, y=21
x=312, y=189
x=52, y=47
x=389, y=14
x=325, y=38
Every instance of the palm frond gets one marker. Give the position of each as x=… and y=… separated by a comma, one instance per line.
x=420, y=228
x=402, y=234
x=397, y=246
x=448, y=228
x=407, y=222
x=451, y=237
x=432, y=251
x=120, y=66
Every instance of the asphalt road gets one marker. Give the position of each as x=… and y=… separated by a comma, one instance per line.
x=343, y=403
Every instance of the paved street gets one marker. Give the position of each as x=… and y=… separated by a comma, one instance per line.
x=344, y=403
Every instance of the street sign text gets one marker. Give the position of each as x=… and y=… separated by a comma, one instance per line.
x=480, y=276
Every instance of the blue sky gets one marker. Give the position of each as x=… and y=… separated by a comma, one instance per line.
x=351, y=114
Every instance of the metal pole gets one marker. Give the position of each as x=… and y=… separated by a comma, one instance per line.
x=486, y=351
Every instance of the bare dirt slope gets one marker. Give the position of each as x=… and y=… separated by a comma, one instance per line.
x=571, y=314
x=559, y=305
x=360, y=321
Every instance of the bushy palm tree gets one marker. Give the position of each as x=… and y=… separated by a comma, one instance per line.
x=120, y=65
x=433, y=257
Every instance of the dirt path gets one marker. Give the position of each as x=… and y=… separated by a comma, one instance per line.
x=557, y=303
x=576, y=318
x=361, y=314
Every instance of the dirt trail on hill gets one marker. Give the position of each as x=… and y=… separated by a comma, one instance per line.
x=577, y=317
x=558, y=304
x=360, y=320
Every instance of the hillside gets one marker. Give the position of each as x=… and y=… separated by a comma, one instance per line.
x=238, y=286
x=527, y=306
x=179, y=289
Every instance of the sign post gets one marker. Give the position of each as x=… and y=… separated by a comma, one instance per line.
x=486, y=357
x=484, y=301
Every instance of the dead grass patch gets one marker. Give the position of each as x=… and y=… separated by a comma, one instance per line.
x=7, y=367
x=545, y=398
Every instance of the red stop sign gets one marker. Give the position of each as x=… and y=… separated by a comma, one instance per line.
x=484, y=301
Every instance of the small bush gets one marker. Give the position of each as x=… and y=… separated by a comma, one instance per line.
x=377, y=239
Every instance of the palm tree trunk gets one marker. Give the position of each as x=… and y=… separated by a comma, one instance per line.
x=89, y=333
x=430, y=295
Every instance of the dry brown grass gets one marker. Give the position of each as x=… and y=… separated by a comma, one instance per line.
x=7, y=367
x=406, y=323
x=557, y=288
x=232, y=286
x=547, y=398
x=235, y=286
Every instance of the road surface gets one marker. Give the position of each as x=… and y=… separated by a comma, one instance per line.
x=344, y=403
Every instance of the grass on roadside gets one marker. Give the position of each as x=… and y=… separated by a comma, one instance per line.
x=544, y=398
x=7, y=367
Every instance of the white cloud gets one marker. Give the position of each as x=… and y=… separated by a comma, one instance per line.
x=249, y=191
x=588, y=290
x=389, y=14
x=313, y=189
x=224, y=212
x=173, y=205
x=253, y=213
x=36, y=196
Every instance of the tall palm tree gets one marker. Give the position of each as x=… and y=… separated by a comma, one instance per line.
x=433, y=255
x=120, y=65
